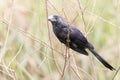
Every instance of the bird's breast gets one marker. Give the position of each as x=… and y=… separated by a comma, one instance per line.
x=60, y=34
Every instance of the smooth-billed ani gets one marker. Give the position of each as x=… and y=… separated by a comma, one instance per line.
x=77, y=41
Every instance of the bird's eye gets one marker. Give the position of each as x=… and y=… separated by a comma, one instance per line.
x=56, y=18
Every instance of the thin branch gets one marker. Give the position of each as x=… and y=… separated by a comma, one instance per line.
x=67, y=48
x=76, y=72
x=46, y=2
x=65, y=64
x=30, y=35
x=74, y=19
x=15, y=55
x=82, y=15
x=53, y=6
x=116, y=73
x=103, y=19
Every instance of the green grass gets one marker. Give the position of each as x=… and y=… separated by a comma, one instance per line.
x=30, y=51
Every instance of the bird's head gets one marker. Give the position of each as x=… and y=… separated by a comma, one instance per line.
x=55, y=19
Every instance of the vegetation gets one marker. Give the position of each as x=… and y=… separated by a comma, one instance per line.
x=30, y=51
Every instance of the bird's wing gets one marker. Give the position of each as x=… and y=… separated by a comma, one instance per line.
x=77, y=37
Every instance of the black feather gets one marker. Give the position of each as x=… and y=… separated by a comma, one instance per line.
x=104, y=62
x=77, y=41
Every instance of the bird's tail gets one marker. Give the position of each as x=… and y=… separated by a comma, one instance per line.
x=103, y=61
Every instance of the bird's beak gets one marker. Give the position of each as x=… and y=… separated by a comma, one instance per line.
x=50, y=18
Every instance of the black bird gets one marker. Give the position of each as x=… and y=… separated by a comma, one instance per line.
x=77, y=41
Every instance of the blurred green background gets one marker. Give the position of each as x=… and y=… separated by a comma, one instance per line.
x=30, y=51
